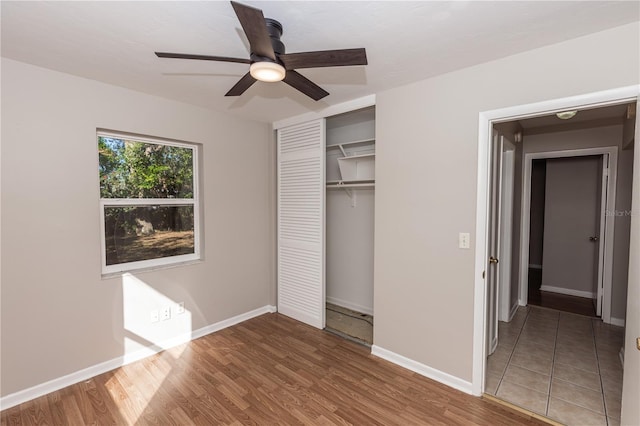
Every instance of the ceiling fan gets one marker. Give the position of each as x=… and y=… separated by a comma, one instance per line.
x=268, y=60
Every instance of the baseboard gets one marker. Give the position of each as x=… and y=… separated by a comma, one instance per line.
x=616, y=321
x=534, y=266
x=28, y=394
x=621, y=355
x=424, y=370
x=513, y=311
x=568, y=291
x=349, y=305
x=493, y=345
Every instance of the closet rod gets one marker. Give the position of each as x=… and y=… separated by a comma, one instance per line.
x=351, y=185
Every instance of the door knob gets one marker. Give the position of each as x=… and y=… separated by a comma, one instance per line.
x=593, y=239
x=493, y=260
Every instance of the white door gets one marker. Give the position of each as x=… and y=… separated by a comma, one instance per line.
x=631, y=380
x=506, y=229
x=492, y=269
x=301, y=222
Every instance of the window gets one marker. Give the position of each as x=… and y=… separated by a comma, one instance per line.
x=148, y=202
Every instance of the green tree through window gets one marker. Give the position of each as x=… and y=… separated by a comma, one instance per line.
x=147, y=194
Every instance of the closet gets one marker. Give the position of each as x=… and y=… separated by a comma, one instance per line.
x=326, y=187
x=350, y=192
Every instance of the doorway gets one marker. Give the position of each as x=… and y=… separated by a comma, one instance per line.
x=536, y=365
x=525, y=315
x=568, y=201
x=574, y=231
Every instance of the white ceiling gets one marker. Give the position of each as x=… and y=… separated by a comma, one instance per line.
x=114, y=42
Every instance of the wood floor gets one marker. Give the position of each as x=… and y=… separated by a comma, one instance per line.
x=266, y=371
x=560, y=302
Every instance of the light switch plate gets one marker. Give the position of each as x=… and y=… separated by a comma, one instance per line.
x=464, y=239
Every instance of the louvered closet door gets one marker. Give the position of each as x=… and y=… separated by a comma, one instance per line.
x=301, y=194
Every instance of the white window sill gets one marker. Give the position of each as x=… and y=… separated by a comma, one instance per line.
x=147, y=269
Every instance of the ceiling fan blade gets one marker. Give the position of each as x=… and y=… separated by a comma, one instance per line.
x=306, y=86
x=241, y=86
x=324, y=58
x=252, y=21
x=201, y=57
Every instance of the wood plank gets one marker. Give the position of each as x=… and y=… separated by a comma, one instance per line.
x=267, y=370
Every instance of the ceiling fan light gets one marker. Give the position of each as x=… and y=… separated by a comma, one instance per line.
x=565, y=115
x=267, y=71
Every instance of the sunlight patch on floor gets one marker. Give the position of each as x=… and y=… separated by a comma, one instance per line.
x=153, y=322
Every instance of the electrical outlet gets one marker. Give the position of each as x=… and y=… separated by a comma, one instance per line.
x=155, y=316
x=180, y=308
x=165, y=313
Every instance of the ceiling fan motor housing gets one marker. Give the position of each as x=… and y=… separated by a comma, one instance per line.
x=274, y=28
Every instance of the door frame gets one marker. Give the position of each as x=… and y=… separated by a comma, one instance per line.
x=486, y=120
x=605, y=250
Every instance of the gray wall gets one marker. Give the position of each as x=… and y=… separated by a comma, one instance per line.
x=349, y=249
x=590, y=138
x=629, y=126
x=426, y=181
x=54, y=302
x=570, y=259
x=631, y=384
x=622, y=237
x=538, y=178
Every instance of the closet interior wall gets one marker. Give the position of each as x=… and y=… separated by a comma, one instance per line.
x=349, y=215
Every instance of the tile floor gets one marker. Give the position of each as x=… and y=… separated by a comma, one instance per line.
x=561, y=365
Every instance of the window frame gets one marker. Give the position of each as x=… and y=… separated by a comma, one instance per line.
x=108, y=270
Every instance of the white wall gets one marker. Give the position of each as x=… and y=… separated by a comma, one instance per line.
x=349, y=249
x=349, y=228
x=58, y=315
x=426, y=176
